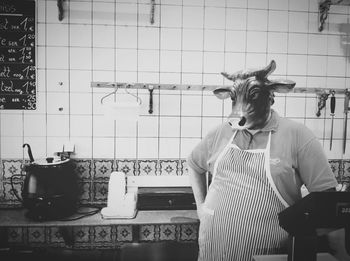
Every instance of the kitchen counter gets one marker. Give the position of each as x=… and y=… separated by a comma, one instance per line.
x=94, y=232
x=170, y=235
x=16, y=218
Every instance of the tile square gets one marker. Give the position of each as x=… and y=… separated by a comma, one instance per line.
x=103, y=59
x=170, y=61
x=214, y=18
x=79, y=13
x=191, y=127
x=102, y=234
x=168, y=167
x=124, y=233
x=80, y=58
x=192, y=39
x=169, y=105
x=125, y=148
x=278, y=21
x=126, y=14
x=170, y=38
x=167, y=232
x=171, y=16
x=57, y=34
x=236, y=19
x=126, y=37
x=103, y=36
x=277, y=42
x=12, y=125
x=298, y=22
x=148, y=38
x=147, y=167
x=55, y=236
x=297, y=43
x=147, y=233
x=103, y=13
x=169, y=127
x=9, y=195
x=236, y=42
x=147, y=148
x=10, y=168
x=213, y=63
x=104, y=147
x=169, y=148
x=83, y=169
x=257, y=20
x=100, y=191
x=256, y=41
x=191, y=105
x=11, y=147
x=80, y=35
x=36, y=235
x=192, y=62
x=188, y=232
x=81, y=234
x=85, y=191
x=127, y=166
x=102, y=169
x=15, y=235
x=148, y=60
x=57, y=57
x=192, y=16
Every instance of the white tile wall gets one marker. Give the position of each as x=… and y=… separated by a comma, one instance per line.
x=190, y=42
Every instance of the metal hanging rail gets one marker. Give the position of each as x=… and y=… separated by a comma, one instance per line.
x=191, y=87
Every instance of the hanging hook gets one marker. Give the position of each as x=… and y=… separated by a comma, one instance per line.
x=115, y=90
x=137, y=97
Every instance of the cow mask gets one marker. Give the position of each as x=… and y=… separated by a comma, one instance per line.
x=252, y=95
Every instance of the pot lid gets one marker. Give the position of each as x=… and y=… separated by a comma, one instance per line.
x=49, y=161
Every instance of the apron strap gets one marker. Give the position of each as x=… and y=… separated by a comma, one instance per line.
x=268, y=173
x=221, y=154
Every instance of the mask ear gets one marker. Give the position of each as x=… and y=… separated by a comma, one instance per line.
x=282, y=86
x=222, y=92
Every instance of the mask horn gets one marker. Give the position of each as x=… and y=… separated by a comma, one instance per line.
x=259, y=74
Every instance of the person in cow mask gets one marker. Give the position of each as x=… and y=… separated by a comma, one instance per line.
x=258, y=163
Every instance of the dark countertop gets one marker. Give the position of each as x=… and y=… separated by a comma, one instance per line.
x=16, y=218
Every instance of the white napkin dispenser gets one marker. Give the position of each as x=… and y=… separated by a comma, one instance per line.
x=121, y=201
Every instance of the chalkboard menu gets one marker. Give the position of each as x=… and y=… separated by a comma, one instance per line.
x=17, y=55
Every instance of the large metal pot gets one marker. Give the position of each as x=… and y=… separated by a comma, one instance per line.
x=50, y=188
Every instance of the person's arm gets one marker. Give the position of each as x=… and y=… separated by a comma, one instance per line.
x=198, y=183
x=317, y=176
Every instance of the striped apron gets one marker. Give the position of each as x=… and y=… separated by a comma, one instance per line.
x=240, y=210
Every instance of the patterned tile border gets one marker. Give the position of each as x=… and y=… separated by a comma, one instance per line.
x=102, y=236
x=93, y=175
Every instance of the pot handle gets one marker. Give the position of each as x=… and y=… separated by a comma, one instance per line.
x=31, y=159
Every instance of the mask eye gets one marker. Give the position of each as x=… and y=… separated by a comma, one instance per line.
x=254, y=94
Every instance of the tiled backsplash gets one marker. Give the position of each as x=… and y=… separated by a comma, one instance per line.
x=190, y=42
x=93, y=176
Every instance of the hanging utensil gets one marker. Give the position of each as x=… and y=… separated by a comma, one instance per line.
x=150, y=89
x=322, y=97
x=31, y=158
x=346, y=110
x=332, y=115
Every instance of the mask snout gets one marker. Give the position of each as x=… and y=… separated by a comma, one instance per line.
x=242, y=121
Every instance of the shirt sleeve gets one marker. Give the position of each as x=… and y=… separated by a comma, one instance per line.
x=198, y=158
x=313, y=165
